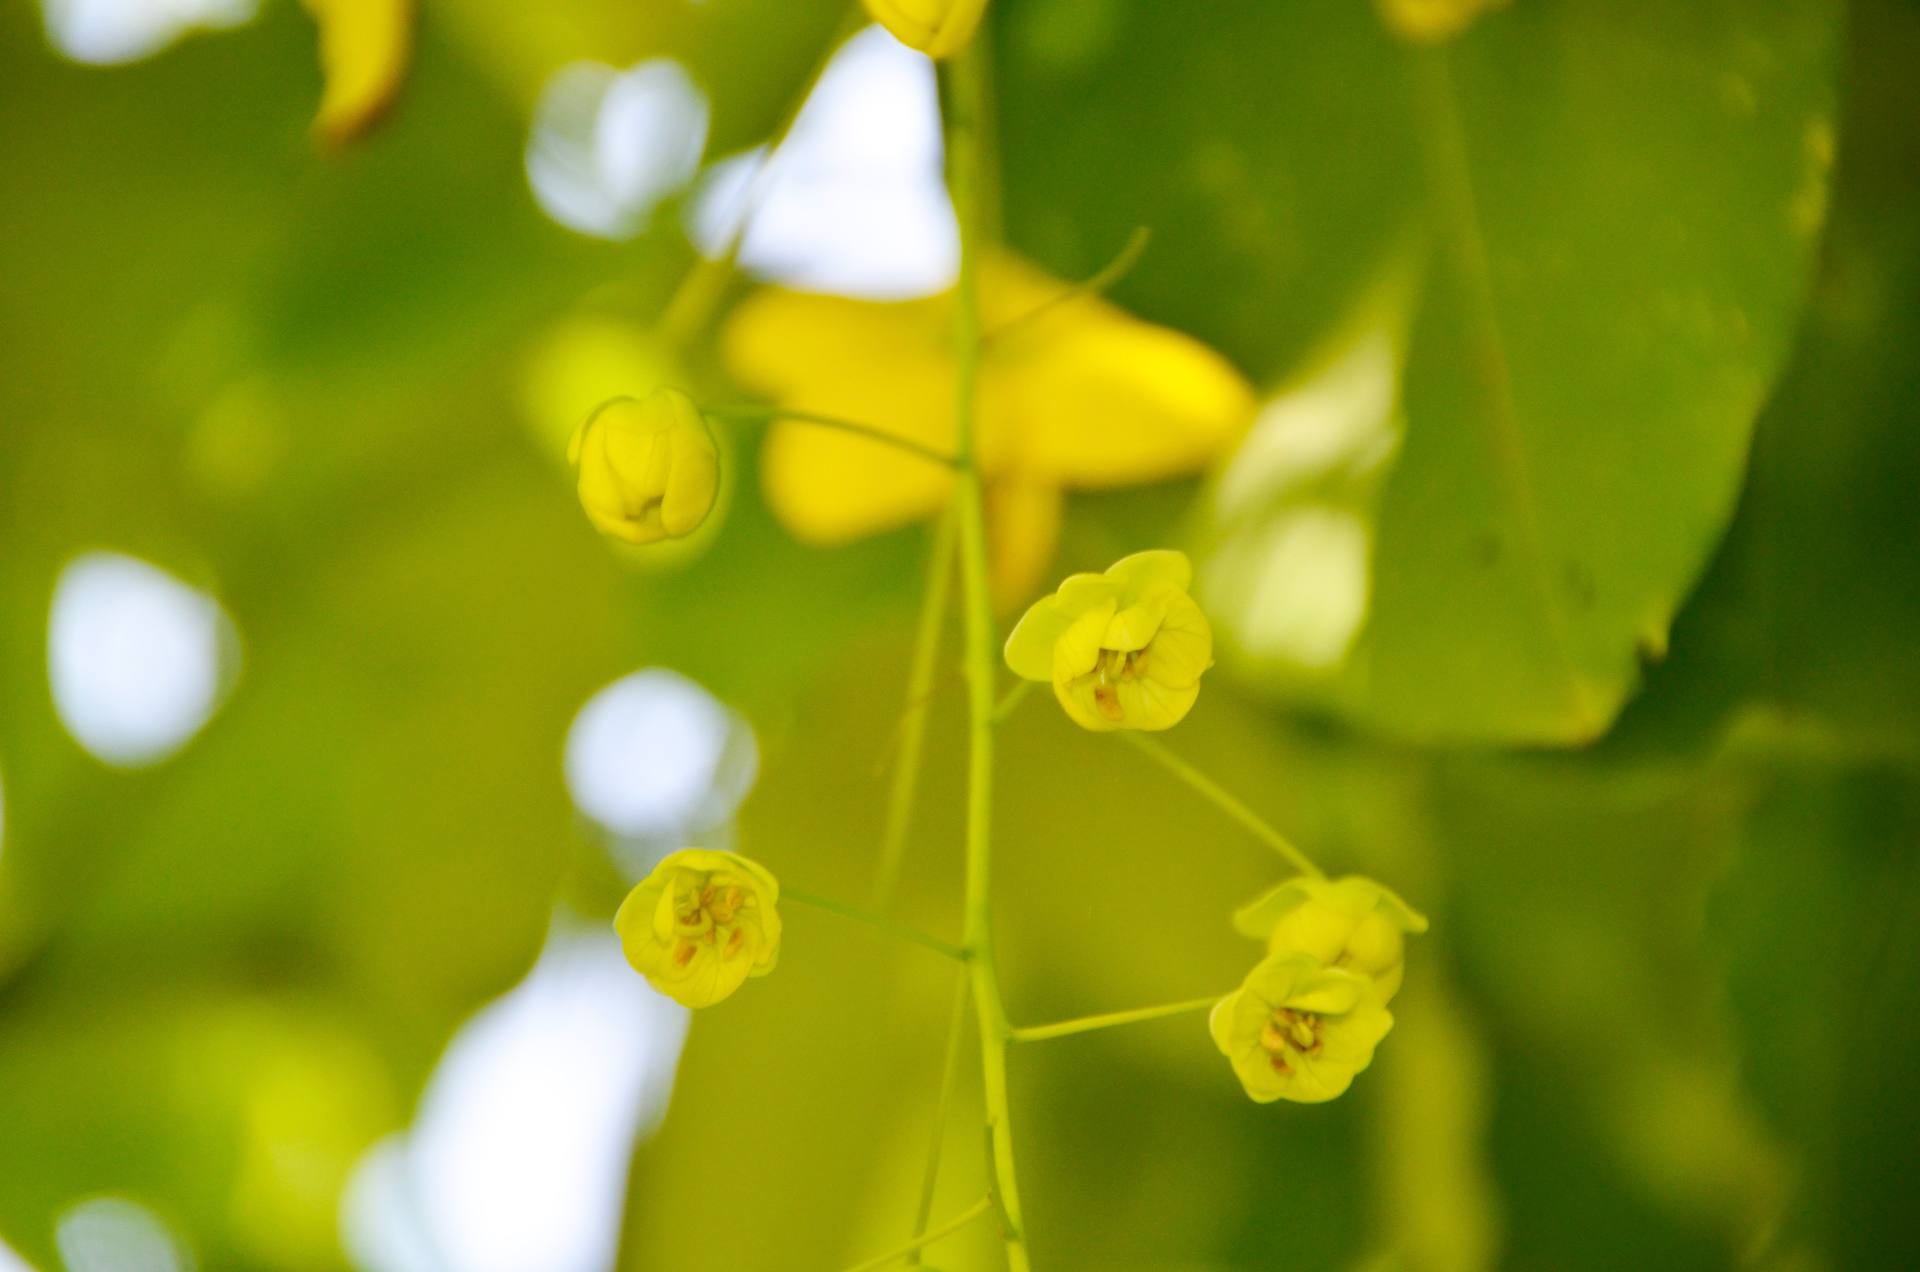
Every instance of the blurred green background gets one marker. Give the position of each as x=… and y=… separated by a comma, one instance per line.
x=1567, y=582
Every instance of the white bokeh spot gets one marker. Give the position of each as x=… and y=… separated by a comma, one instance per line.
x=654, y=756
x=1304, y=580
x=854, y=203
x=1340, y=421
x=112, y=1234
x=1291, y=575
x=518, y=1158
x=109, y=32
x=608, y=145
x=137, y=660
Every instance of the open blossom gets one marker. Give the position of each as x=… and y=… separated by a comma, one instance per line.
x=649, y=469
x=938, y=28
x=701, y=924
x=1298, y=1030
x=1124, y=649
x=1351, y=923
x=1074, y=394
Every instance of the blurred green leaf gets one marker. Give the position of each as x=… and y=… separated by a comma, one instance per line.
x=1611, y=210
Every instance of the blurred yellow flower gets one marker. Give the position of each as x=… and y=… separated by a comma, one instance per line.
x=649, y=469
x=1432, y=21
x=1082, y=396
x=1297, y=1030
x=700, y=924
x=1124, y=649
x=1351, y=923
x=938, y=28
x=365, y=46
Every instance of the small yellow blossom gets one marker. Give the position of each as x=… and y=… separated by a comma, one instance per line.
x=365, y=46
x=1432, y=21
x=1124, y=649
x=700, y=924
x=649, y=469
x=1082, y=396
x=1298, y=1030
x=1351, y=923
x=938, y=28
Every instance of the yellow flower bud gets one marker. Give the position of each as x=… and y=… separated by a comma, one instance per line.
x=700, y=924
x=649, y=469
x=1297, y=1030
x=938, y=28
x=1353, y=924
x=1124, y=649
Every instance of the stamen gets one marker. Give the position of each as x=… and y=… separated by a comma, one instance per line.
x=1110, y=668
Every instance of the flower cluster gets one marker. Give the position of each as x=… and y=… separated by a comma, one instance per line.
x=1307, y=1018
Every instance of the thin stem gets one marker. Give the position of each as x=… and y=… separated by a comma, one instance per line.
x=946, y=1229
x=913, y=721
x=1112, y=272
x=1011, y=699
x=949, y=1076
x=963, y=114
x=879, y=922
x=1107, y=1020
x=871, y=432
x=693, y=303
x=1213, y=793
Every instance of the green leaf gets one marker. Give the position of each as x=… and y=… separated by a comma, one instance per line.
x=1596, y=220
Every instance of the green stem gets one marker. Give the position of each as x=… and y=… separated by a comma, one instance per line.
x=1112, y=272
x=879, y=922
x=694, y=302
x=872, y=433
x=1211, y=791
x=1011, y=699
x=949, y=1075
x=962, y=113
x=913, y=721
x=946, y=1229
x=1107, y=1020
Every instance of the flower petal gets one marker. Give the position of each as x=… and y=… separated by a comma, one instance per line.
x=1144, y=571
x=365, y=46
x=1030, y=646
x=882, y=365
x=1023, y=529
x=1101, y=399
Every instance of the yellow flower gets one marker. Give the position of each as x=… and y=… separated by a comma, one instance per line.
x=365, y=46
x=648, y=468
x=1296, y=1030
x=1431, y=21
x=1082, y=397
x=1351, y=923
x=700, y=924
x=1124, y=649
x=938, y=28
